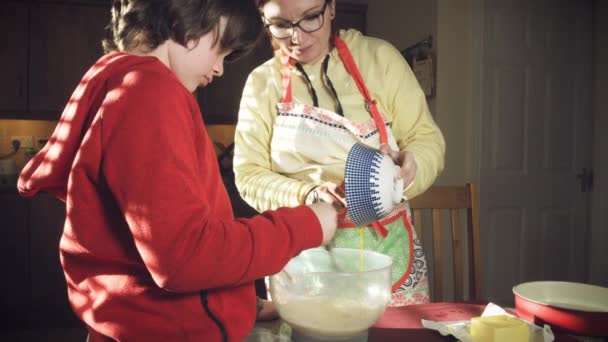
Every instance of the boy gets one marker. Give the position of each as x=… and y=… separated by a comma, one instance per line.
x=150, y=248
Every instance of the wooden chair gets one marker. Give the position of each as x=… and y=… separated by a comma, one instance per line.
x=451, y=200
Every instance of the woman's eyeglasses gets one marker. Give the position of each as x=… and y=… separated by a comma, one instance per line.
x=308, y=24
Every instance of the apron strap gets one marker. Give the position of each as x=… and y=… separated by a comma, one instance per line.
x=377, y=226
x=380, y=229
x=353, y=70
x=286, y=63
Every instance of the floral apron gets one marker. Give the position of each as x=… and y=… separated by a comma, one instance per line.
x=307, y=136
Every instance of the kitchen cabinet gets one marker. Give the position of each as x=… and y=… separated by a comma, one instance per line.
x=49, y=300
x=13, y=56
x=34, y=293
x=48, y=46
x=65, y=41
x=14, y=257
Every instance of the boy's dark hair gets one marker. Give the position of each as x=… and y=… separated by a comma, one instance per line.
x=149, y=23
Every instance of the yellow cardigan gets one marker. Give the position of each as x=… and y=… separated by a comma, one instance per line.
x=390, y=81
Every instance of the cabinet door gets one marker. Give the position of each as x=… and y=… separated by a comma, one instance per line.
x=65, y=42
x=50, y=305
x=13, y=57
x=14, y=262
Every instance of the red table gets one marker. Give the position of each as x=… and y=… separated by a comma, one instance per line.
x=404, y=323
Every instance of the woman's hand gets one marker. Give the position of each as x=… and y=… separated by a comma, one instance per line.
x=405, y=160
x=327, y=192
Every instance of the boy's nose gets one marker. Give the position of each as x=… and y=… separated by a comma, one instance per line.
x=219, y=69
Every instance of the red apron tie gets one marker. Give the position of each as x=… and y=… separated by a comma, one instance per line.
x=380, y=229
x=286, y=63
x=353, y=70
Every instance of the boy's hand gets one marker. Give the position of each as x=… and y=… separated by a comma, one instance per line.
x=328, y=217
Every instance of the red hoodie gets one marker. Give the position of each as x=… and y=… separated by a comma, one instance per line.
x=150, y=248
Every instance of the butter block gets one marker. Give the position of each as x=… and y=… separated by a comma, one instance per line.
x=501, y=328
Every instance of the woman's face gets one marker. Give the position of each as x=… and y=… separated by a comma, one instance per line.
x=305, y=47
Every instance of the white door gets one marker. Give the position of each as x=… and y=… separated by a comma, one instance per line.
x=536, y=124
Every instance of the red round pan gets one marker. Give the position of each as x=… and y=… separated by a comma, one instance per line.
x=571, y=307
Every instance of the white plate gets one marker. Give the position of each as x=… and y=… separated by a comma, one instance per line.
x=565, y=295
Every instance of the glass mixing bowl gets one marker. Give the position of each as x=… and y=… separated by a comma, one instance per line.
x=323, y=302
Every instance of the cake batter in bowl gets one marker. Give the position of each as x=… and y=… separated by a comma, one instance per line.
x=322, y=304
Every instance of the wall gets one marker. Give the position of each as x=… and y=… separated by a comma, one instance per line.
x=401, y=22
x=598, y=268
x=454, y=89
x=404, y=22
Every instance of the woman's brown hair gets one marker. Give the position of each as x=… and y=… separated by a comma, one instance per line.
x=149, y=23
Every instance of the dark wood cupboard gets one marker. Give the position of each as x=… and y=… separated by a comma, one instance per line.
x=49, y=300
x=65, y=40
x=47, y=47
x=34, y=293
x=13, y=56
x=49, y=44
x=14, y=261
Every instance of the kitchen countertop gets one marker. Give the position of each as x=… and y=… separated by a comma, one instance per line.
x=403, y=323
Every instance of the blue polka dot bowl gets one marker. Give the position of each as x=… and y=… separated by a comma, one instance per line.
x=373, y=185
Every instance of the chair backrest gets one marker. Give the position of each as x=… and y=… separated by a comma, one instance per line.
x=453, y=200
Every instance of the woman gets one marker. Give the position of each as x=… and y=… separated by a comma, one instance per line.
x=303, y=110
x=150, y=248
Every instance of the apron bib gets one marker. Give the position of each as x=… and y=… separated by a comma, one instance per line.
x=305, y=137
